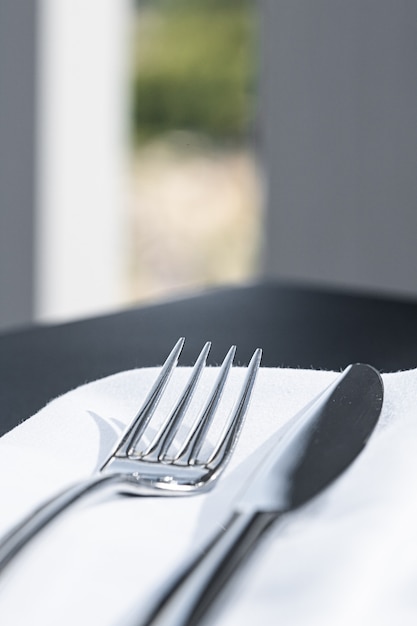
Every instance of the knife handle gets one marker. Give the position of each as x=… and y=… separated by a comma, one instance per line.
x=190, y=597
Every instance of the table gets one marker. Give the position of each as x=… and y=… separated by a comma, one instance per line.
x=296, y=325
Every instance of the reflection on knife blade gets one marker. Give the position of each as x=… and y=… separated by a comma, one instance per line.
x=325, y=438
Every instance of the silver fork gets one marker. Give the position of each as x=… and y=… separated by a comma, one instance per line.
x=154, y=471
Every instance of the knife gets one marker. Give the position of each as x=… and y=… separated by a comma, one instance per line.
x=323, y=440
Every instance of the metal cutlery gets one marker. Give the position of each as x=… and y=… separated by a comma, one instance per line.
x=323, y=441
x=154, y=470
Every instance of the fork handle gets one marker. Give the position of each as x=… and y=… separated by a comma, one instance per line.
x=190, y=597
x=28, y=528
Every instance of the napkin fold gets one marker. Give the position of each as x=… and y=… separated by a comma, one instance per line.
x=348, y=557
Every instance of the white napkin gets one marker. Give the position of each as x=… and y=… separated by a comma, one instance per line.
x=349, y=557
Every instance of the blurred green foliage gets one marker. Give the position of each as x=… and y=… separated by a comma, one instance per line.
x=194, y=68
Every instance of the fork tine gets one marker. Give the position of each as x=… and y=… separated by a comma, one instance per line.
x=135, y=430
x=159, y=446
x=228, y=440
x=191, y=447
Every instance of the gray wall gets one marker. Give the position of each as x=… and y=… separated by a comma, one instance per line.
x=17, y=124
x=339, y=141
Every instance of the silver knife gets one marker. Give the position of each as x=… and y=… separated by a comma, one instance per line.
x=324, y=439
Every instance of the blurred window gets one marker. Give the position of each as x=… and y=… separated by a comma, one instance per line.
x=195, y=208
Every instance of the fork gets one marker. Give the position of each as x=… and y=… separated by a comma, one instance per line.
x=137, y=468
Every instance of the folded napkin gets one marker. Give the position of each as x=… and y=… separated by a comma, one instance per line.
x=348, y=557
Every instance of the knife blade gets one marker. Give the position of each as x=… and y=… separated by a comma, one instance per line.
x=322, y=442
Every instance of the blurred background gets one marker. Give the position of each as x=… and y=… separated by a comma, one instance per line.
x=196, y=195
x=152, y=149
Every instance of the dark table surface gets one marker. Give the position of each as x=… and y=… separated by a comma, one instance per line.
x=296, y=326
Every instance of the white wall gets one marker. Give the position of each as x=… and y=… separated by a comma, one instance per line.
x=82, y=156
x=338, y=119
x=63, y=157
